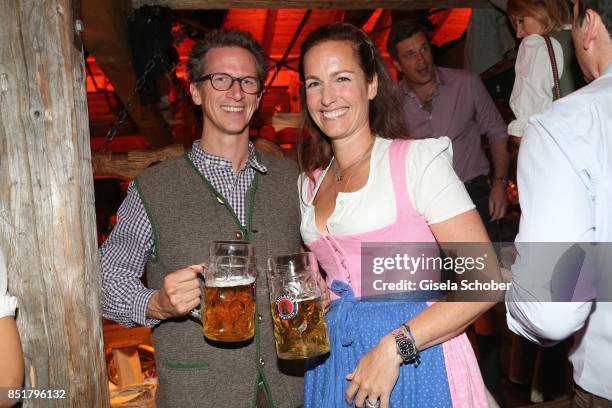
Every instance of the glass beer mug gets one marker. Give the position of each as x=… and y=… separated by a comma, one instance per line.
x=229, y=292
x=300, y=330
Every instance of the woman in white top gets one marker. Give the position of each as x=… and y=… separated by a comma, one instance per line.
x=533, y=84
x=11, y=358
x=363, y=183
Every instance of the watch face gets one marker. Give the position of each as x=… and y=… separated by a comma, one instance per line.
x=406, y=348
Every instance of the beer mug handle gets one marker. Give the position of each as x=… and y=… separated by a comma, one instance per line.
x=196, y=312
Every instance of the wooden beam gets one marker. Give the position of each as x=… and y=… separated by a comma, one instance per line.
x=128, y=166
x=122, y=337
x=383, y=18
x=296, y=35
x=380, y=29
x=268, y=37
x=311, y=4
x=128, y=366
x=47, y=212
x=358, y=17
x=106, y=39
x=340, y=14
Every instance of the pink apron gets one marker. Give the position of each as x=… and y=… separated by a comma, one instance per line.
x=339, y=255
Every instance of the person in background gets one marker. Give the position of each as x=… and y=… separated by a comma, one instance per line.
x=565, y=184
x=488, y=38
x=363, y=180
x=441, y=101
x=533, y=92
x=11, y=356
x=535, y=22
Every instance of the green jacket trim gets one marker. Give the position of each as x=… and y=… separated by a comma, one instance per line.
x=250, y=201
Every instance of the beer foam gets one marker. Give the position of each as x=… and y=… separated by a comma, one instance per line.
x=303, y=298
x=224, y=283
x=307, y=298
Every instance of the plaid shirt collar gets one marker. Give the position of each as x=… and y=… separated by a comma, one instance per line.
x=203, y=159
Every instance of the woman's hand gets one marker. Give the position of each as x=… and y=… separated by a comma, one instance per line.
x=375, y=375
x=325, y=298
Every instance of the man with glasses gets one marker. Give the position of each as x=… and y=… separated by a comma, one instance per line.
x=221, y=190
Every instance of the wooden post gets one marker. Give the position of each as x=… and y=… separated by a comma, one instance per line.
x=47, y=202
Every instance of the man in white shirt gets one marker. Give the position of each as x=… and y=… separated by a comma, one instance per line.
x=565, y=186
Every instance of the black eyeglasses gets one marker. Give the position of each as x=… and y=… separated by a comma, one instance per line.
x=223, y=82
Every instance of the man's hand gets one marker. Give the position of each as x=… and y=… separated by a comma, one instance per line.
x=498, y=201
x=178, y=295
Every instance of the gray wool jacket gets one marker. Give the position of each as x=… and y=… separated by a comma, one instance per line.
x=187, y=214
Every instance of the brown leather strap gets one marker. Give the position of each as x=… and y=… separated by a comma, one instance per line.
x=585, y=399
x=553, y=63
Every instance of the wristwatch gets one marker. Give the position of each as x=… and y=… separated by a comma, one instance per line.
x=503, y=180
x=406, y=346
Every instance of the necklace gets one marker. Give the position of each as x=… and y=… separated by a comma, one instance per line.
x=340, y=173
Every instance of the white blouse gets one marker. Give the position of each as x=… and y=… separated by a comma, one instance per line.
x=533, y=83
x=434, y=189
x=7, y=303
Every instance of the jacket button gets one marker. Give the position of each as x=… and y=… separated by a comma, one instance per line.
x=262, y=362
x=239, y=235
x=259, y=317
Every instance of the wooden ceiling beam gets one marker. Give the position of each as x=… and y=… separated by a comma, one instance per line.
x=311, y=4
x=380, y=24
x=340, y=15
x=358, y=17
x=106, y=38
x=266, y=43
x=296, y=35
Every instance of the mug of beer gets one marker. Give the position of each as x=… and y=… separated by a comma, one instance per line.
x=300, y=330
x=229, y=292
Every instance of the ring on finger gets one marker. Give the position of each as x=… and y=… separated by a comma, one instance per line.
x=370, y=404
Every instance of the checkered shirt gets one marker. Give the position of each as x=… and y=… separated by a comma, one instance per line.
x=124, y=254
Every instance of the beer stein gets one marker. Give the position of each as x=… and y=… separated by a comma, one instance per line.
x=229, y=292
x=300, y=329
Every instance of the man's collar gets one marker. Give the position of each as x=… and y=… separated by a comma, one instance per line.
x=253, y=160
x=438, y=77
x=208, y=159
x=440, y=80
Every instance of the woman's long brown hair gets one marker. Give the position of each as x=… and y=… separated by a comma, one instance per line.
x=385, y=113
